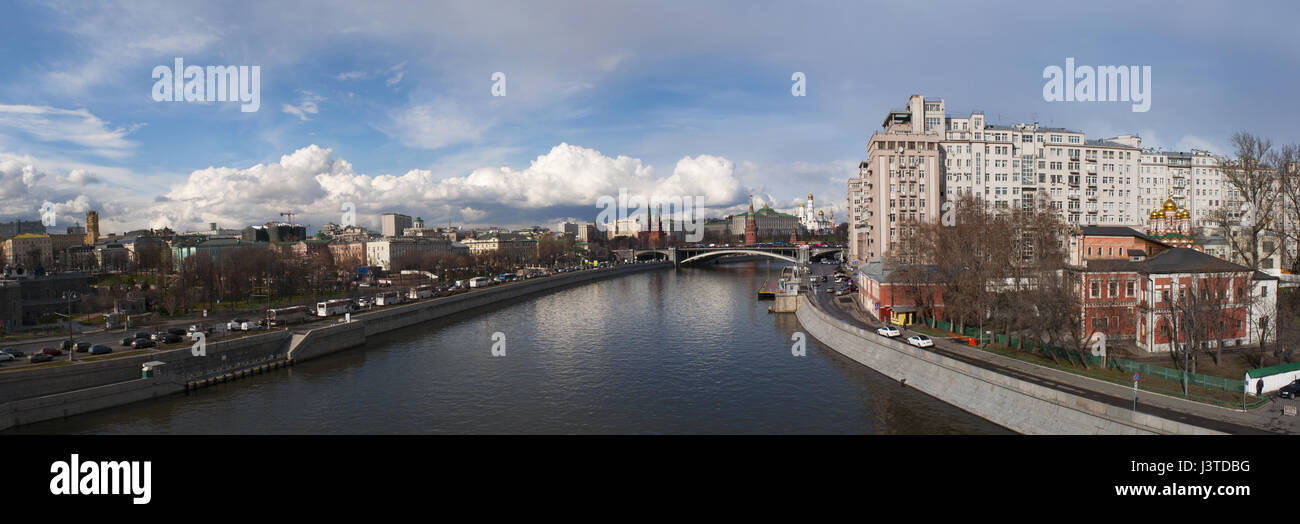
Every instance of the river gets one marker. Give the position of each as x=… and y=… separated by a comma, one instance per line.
x=671, y=351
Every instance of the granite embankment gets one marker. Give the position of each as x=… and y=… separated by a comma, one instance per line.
x=1018, y=405
x=60, y=391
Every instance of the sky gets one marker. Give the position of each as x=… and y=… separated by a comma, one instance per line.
x=390, y=107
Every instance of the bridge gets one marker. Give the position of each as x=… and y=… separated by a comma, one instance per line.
x=701, y=255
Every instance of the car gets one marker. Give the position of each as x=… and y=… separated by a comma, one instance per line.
x=126, y=341
x=51, y=351
x=5, y=357
x=12, y=351
x=67, y=345
x=830, y=289
x=100, y=349
x=141, y=343
x=176, y=330
x=920, y=341
x=236, y=324
x=888, y=331
x=140, y=334
x=83, y=347
x=39, y=357
x=158, y=336
x=172, y=338
x=1290, y=390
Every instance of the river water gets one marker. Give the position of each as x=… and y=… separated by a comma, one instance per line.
x=670, y=351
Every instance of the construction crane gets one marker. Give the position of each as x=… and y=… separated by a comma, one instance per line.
x=289, y=214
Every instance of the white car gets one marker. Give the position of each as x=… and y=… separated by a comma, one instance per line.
x=888, y=331
x=920, y=341
x=5, y=357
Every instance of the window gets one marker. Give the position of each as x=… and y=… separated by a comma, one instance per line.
x=1095, y=289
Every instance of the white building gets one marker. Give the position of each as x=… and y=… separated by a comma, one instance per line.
x=1103, y=182
x=813, y=221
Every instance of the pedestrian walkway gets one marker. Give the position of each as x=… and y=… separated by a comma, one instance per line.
x=1266, y=419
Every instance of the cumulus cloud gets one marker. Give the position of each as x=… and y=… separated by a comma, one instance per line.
x=313, y=182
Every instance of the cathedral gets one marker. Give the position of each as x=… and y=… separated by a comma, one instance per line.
x=815, y=222
x=1173, y=226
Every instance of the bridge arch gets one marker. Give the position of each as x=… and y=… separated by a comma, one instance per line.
x=702, y=257
x=653, y=254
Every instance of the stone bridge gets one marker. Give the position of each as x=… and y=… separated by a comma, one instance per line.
x=701, y=255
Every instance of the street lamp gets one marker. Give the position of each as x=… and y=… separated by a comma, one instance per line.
x=69, y=296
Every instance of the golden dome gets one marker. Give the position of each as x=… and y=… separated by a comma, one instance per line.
x=821, y=213
x=1170, y=205
x=1157, y=214
x=1183, y=213
x=809, y=196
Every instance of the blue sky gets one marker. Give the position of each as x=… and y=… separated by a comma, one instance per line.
x=389, y=106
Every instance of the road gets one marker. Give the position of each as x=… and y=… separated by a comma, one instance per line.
x=1264, y=420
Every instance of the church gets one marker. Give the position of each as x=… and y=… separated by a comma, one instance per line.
x=815, y=222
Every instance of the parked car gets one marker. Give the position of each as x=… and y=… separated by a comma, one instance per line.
x=5, y=357
x=83, y=347
x=100, y=349
x=889, y=331
x=141, y=343
x=51, y=351
x=1290, y=390
x=40, y=357
x=920, y=341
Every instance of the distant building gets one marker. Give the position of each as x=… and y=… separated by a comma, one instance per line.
x=29, y=250
x=275, y=233
x=348, y=255
x=515, y=247
x=394, y=224
x=18, y=227
x=382, y=253
x=92, y=227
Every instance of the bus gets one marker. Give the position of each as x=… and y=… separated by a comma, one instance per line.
x=287, y=315
x=333, y=307
x=480, y=282
x=388, y=298
x=419, y=292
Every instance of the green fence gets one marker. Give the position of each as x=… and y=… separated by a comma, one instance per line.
x=1172, y=375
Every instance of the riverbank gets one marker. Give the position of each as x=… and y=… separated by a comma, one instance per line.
x=48, y=393
x=1019, y=405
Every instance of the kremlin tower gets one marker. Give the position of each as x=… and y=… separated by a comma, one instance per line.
x=751, y=226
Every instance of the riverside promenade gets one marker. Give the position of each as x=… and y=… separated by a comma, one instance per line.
x=1267, y=419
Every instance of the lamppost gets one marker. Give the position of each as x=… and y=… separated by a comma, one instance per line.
x=69, y=296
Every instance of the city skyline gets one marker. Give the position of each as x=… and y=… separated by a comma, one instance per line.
x=364, y=112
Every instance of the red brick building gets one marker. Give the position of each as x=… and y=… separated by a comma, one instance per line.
x=1134, y=287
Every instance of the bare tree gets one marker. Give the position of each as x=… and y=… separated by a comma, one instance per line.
x=1253, y=191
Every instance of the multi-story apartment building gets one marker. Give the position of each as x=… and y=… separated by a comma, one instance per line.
x=1092, y=182
x=900, y=181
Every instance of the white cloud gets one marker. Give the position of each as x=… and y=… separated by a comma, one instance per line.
x=307, y=105
x=73, y=126
x=350, y=75
x=433, y=125
x=314, y=183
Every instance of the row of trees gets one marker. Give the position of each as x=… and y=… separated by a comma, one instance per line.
x=998, y=270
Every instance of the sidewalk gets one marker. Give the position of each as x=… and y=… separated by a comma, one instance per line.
x=1265, y=419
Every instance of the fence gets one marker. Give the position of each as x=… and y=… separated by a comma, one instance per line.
x=1172, y=375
